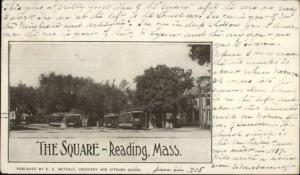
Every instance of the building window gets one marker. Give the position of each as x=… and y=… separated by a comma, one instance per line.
x=208, y=101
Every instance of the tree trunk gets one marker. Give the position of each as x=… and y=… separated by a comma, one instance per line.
x=193, y=116
x=150, y=121
x=18, y=117
x=200, y=112
x=206, y=114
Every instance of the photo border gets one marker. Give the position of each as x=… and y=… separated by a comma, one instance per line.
x=178, y=42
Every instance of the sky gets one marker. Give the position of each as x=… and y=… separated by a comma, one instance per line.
x=100, y=61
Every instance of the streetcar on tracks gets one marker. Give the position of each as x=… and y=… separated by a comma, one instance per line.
x=111, y=120
x=65, y=120
x=133, y=119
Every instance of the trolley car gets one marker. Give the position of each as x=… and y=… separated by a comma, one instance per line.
x=65, y=120
x=133, y=119
x=111, y=120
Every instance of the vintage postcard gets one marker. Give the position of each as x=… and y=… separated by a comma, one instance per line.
x=149, y=87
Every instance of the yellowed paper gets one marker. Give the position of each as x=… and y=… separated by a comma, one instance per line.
x=254, y=74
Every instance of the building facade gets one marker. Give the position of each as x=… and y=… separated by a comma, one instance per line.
x=200, y=97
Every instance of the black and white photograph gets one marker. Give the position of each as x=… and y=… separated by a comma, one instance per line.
x=110, y=101
x=149, y=87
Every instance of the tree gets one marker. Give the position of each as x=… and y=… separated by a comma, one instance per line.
x=129, y=94
x=65, y=93
x=115, y=98
x=62, y=93
x=200, y=53
x=160, y=88
x=59, y=92
x=22, y=100
x=124, y=85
